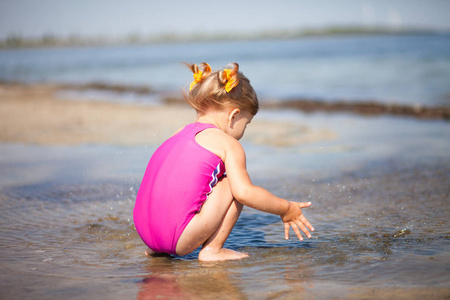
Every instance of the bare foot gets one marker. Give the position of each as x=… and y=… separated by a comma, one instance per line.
x=212, y=254
x=149, y=252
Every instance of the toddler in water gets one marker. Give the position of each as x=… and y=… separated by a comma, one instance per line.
x=196, y=182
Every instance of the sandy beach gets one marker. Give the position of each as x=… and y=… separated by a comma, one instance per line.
x=37, y=114
x=34, y=115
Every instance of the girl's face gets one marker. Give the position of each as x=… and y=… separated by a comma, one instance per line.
x=239, y=121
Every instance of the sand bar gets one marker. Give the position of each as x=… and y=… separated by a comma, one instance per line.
x=36, y=114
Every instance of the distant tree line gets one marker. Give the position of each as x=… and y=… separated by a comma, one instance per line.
x=50, y=40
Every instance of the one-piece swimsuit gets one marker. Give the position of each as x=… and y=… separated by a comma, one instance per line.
x=179, y=177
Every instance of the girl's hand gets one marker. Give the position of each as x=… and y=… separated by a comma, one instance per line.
x=294, y=218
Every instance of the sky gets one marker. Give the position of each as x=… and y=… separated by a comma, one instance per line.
x=118, y=18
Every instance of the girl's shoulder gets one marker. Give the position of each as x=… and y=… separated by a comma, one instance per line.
x=217, y=141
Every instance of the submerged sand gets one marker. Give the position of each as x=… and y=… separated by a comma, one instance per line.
x=37, y=114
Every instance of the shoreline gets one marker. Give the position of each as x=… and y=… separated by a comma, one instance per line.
x=367, y=108
x=359, y=107
x=362, y=107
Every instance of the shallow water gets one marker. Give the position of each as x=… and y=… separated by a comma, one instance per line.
x=380, y=210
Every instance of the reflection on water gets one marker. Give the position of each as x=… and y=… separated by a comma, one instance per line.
x=187, y=280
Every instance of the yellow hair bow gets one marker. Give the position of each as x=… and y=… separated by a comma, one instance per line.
x=199, y=75
x=232, y=82
x=197, y=78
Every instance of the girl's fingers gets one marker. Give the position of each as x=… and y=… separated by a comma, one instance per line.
x=304, y=204
x=303, y=228
x=302, y=217
x=286, y=231
x=296, y=230
x=299, y=223
x=306, y=222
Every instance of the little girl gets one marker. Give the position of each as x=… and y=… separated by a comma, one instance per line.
x=186, y=198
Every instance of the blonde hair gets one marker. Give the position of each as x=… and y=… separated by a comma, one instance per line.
x=212, y=89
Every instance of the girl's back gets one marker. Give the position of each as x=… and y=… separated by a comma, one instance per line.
x=178, y=178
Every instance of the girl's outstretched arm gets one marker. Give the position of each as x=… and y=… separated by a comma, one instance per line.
x=257, y=197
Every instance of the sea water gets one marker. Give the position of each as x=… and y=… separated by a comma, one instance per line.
x=405, y=69
x=379, y=188
x=380, y=209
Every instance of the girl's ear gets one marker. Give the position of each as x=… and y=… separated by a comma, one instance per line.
x=232, y=116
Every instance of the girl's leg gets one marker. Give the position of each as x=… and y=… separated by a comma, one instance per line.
x=213, y=247
x=212, y=226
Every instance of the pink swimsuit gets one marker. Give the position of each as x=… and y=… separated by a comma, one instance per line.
x=178, y=180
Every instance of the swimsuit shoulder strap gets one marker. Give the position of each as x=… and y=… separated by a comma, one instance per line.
x=198, y=127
